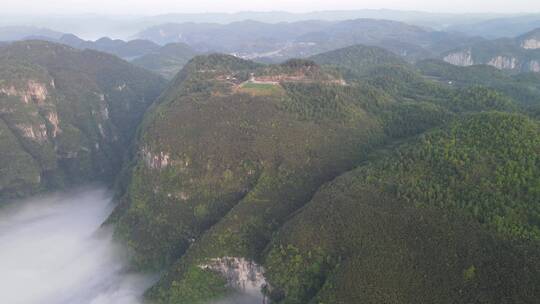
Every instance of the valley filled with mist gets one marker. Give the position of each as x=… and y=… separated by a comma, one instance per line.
x=54, y=245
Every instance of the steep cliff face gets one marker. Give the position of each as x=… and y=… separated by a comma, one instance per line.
x=504, y=63
x=461, y=58
x=531, y=44
x=60, y=106
x=514, y=61
x=241, y=274
x=530, y=40
x=534, y=66
x=510, y=54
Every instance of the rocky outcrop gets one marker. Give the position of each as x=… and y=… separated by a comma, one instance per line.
x=462, y=58
x=38, y=133
x=156, y=161
x=9, y=91
x=104, y=112
x=34, y=92
x=121, y=87
x=52, y=118
x=533, y=66
x=531, y=44
x=241, y=274
x=504, y=63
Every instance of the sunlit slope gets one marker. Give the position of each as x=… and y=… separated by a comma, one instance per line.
x=218, y=143
x=233, y=160
x=449, y=217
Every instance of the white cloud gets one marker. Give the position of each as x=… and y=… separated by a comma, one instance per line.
x=53, y=252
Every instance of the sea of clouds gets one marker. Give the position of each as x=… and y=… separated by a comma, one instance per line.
x=53, y=251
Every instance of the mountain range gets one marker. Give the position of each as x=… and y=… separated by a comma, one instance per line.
x=314, y=162
x=277, y=42
x=499, y=27
x=312, y=182
x=256, y=40
x=94, y=26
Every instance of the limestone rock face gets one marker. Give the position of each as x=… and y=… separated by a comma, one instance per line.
x=155, y=160
x=241, y=274
x=64, y=119
x=518, y=55
x=54, y=121
x=37, y=133
x=462, y=58
x=32, y=91
x=533, y=66
x=531, y=44
x=504, y=63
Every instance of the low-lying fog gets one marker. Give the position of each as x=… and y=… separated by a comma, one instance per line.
x=53, y=252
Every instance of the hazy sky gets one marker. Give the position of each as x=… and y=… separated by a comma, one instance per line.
x=149, y=7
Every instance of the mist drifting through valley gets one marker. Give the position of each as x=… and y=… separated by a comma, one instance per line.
x=53, y=251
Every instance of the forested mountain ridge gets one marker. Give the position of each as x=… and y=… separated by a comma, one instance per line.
x=123, y=49
x=326, y=161
x=302, y=174
x=165, y=60
x=358, y=60
x=66, y=115
x=14, y=33
x=523, y=88
x=248, y=145
x=400, y=227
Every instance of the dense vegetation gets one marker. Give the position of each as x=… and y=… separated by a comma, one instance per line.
x=66, y=116
x=357, y=60
x=350, y=177
x=393, y=186
x=407, y=222
x=523, y=88
x=251, y=149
